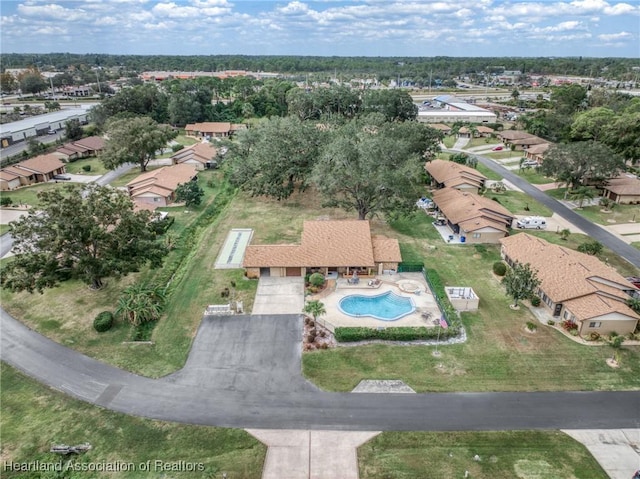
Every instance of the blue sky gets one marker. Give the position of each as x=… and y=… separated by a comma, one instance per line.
x=598, y=28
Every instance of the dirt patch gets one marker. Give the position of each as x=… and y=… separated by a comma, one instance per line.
x=612, y=363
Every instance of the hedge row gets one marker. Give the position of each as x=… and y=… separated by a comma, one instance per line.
x=450, y=313
x=348, y=335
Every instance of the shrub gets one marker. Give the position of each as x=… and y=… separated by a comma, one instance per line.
x=86, y=168
x=177, y=147
x=346, y=335
x=6, y=201
x=103, y=321
x=593, y=336
x=531, y=326
x=569, y=325
x=499, y=268
x=316, y=279
x=592, y=248
x=535, y=301
x=480, y=248
x=551, y=322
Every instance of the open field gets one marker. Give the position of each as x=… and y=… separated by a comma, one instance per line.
x=97, y=168
x=35, y=417
x=519, y=203
x=28, y=195
x=503, y=455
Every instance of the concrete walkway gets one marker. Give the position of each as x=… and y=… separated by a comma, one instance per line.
x=311, y=454
x=616, y=450
x=279, y=295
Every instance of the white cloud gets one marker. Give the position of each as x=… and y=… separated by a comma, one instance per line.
x=612, y=37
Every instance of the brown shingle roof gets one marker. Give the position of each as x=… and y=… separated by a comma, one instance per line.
x=451, y=173
x=567, y=275
x=484, y=129
x=624, y=185
x=162, y=181
x=202, y=152
x=471, y=211
x=95, y=143
x=42, y=164
x=327, y=243
x=514, y=135
x=538, y=149
x=440, y=127
x=594, y=305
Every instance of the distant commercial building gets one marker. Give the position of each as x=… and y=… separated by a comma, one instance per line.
x=449, y=109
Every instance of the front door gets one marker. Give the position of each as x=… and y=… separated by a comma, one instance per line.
x=557, y=309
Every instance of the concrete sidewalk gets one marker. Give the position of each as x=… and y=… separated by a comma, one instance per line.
x=311, y=454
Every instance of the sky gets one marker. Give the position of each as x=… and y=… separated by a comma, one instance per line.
x=414, y=28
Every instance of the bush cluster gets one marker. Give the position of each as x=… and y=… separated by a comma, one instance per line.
x=316, y=279
x=535, y=301
x=86, y=168
x=450, y=313
x=6, y=201
x=499, y=268
x=347, y=335
x=103, y=321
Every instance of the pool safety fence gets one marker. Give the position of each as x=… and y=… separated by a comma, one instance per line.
x=407, y=267
x=447, y=310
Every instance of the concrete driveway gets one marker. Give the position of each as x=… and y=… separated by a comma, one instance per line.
x=279, y=295
x=245, y=353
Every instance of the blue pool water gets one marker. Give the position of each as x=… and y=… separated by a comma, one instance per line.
x=386, y=306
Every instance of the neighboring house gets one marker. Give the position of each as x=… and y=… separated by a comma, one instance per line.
x=201, y=155
x=464, y=132
x=536, y=152
x=623, y=189
x=484, y=131
x=575, y=286
x=446, y=130
x=212, y=129
x=519, y=140
x=158, y=187
x=84, y=148
x=39, y=169
x=474, y=217
x=342, y=247
x=454, y=175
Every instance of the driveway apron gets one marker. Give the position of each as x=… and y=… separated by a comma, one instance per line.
x=279, y=295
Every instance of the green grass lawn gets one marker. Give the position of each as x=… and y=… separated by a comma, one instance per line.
x=35, y=417
x=488, y=142
x=186, y=140
x=499, y=155
x=503, y=455
x=132, y=174
x=4, y=229
x=532, y=176
x=97, y=168
x=490, y=174
x=449, y=141
x=519, y=203
x=28, y=195
x=619, y=214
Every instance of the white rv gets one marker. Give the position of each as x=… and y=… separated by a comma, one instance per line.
x=532, y=222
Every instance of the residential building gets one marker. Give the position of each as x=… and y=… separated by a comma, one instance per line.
x=575, y=286
x=158, y=187
x=340, y=247
x=212, y=129
x=519, y=140
x=86, y=147
x=474, y=218
x=39, y=169
x=201, y=155
x=454, y=175
x=536, y=152
x=445, y=129
x=624, y=189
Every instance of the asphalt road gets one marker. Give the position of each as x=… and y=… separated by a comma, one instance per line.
x=293, y=404
x=628, y=252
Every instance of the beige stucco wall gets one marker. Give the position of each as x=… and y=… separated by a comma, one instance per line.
x=486, y=237
x=276, y=272
x=612, y=322
x=253, y=273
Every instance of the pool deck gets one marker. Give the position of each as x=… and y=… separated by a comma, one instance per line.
x=423, y=301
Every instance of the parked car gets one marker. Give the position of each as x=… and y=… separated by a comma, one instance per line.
x=497, y=148
x=61, y=177
x=530, y=163
x=51, y=132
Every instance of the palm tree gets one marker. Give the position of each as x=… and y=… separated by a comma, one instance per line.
x=582, y=193
x=315, y=308
x=564, y=234
x=141, y=303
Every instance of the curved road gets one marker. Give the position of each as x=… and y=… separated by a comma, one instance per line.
x=246, y=402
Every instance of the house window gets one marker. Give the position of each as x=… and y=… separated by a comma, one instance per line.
x=595, y=324
x=565, y=315
x=156, y=199
x=477, y=235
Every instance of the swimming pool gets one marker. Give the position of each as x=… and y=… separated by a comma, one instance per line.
x=386, y=306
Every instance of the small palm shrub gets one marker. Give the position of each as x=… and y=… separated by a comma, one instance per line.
x=499, y=268
x=535, y=301
x=103, y=321
x=531, y=326
x=316, y=279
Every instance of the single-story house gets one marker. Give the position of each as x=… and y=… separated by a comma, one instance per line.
x=454, y=175
x=464, y=132
x=474, y=217
x=83, y=148
x=344, y=247
x=212, y=129
x=519, y=140
x=445, y=129
x=484, y=131
x=624, y=189
x=479, y=131
x=158, y=187
x=536, y=152
x=575, y=286
x=201, y=155
x=39, y=169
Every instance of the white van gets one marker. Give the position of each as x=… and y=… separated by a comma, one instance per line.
x=532, y=222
